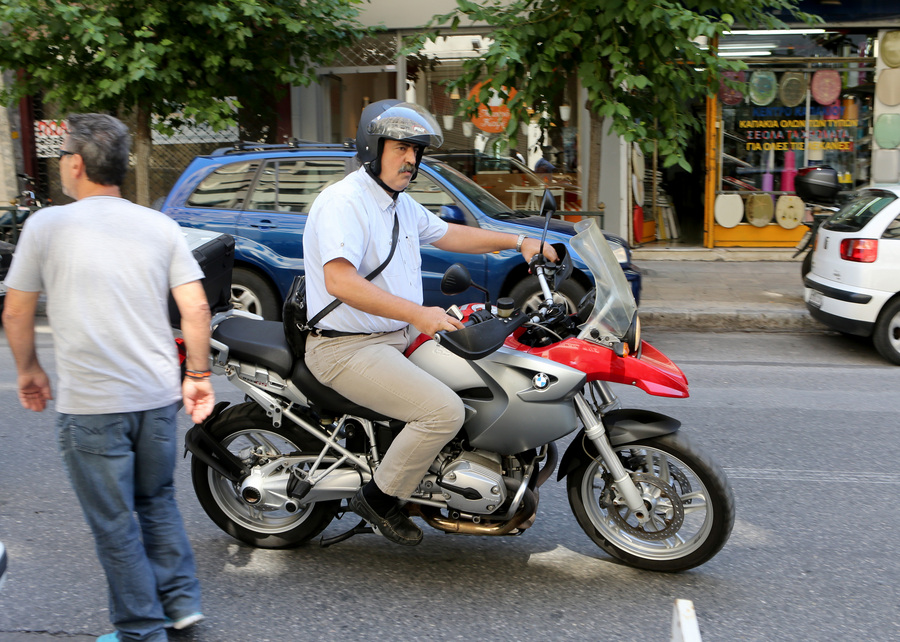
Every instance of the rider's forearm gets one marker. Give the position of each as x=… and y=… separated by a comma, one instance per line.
x=474, y=240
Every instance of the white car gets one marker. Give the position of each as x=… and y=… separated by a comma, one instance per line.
x=854, y=283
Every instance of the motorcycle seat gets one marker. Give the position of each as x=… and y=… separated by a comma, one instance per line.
x=263, y=343
x=256, y=341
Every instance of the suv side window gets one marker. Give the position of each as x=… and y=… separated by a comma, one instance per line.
x=226, y=187
x=429, y=194
x=291, y=185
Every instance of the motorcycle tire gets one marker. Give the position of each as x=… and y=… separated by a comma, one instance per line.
x=243, y=427
x=691, y=505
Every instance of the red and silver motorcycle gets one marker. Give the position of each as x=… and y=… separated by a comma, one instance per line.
x=276, y=470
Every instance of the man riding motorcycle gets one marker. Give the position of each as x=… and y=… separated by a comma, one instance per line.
x=358, y=348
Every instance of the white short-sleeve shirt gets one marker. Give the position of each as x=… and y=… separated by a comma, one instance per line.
x=353, y=219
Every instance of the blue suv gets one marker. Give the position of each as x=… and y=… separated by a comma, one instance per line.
x=260, y=194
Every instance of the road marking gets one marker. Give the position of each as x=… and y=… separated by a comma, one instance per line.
x=812, y=476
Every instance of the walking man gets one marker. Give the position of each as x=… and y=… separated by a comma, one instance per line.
x=106, y=267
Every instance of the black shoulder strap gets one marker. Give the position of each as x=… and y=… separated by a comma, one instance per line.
x=395, y=234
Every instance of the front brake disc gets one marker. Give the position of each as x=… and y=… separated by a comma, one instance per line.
x=663, y=504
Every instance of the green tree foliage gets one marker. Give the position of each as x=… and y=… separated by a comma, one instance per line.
x=638, y=60
x=176, y=59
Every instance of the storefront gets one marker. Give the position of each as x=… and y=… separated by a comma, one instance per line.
x=810, y=99
x=807, y=101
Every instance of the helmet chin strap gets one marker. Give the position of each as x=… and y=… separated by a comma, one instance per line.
x=375, y=177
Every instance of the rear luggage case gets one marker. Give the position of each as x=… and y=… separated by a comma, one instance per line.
x=215, y=254
x=817, y=185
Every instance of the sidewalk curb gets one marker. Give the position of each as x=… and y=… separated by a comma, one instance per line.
x=654, y=318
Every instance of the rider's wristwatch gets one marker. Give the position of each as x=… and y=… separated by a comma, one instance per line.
x=519, y=242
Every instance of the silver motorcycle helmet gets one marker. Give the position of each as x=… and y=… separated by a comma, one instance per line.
x=395, y=120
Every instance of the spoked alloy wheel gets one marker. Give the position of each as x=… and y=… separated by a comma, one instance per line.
x=690, y=506
x=252, y=293
x=247, y=432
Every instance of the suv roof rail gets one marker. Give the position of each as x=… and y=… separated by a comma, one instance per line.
x=293, y=144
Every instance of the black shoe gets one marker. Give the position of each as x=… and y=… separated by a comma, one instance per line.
x=394, y=525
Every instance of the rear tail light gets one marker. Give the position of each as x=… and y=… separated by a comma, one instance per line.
x=182, y=351
x=859, y=250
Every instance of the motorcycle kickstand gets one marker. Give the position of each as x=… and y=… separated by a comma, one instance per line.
x=361, y=528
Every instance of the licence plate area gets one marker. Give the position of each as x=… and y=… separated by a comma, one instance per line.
x=815, y=298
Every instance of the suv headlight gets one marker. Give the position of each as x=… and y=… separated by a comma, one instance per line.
x=619, y=251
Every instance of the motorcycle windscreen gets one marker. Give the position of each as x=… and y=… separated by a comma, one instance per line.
x=614, y=305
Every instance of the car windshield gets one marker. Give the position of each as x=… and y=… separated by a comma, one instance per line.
x=614, y=305
x=856, y=214
x=480, y=197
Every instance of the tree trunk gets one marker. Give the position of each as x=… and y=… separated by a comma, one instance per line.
x=591, y=201
x=9, y=187
x=142, y=143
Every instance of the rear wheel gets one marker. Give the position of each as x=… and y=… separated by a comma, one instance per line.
x=887, y=332
x=689, y=503
x=247, y=432
x=252, y=293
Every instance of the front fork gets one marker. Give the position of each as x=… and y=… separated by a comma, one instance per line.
x=596, y=432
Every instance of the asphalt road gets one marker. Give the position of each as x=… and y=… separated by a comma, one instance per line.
x=804, y=424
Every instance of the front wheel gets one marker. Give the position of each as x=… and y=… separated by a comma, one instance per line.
x=528, y=297
x=248, y=433
x=886, y=336
x=689, y=503
x=252, y=293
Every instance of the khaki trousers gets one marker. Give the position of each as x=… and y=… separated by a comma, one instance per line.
x=372, y=371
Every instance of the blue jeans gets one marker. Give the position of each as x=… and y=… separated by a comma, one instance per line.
x=119, y=465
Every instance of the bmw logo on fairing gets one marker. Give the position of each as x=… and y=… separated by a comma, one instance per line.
x=540, y=381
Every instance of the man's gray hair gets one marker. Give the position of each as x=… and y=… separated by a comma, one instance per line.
x=103, y=143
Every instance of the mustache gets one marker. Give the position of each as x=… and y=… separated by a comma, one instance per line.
x=407, y=167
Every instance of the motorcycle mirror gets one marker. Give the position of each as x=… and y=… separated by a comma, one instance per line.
x=548, y=209
x=456, y=280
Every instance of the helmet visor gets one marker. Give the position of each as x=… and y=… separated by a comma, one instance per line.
x=407, y=122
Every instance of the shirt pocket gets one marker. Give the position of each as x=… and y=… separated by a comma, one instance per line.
x=407, y=260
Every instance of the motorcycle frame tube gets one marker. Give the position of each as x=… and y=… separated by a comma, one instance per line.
x=275, y=412
x=653, y=372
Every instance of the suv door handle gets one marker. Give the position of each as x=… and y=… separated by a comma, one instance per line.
x=264, y=224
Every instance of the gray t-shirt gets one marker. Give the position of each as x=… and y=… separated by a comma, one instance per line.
x=107, y=266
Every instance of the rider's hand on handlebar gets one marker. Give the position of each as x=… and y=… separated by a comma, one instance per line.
x=430, y=321
x=531, y=246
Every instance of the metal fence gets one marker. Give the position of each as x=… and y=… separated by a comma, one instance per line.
x=169, y=156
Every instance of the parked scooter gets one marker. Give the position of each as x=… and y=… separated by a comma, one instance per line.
x=274, y=471
x=818, y=187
